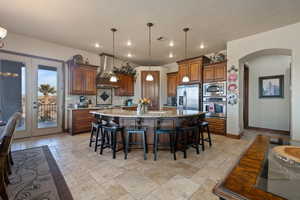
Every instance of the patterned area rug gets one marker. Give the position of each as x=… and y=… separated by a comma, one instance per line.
x=36, y=176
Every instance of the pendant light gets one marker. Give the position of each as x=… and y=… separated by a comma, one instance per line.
x=185, y=78
x=149, y=76
x=113, y=77
x=3, y=33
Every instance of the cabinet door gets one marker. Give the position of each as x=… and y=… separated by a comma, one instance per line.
x=125, y=85
x=76, y=80
x=90, y=81
x=171, y=84
x=220, y=72
x=208, y=74
x=183, y=70
x=130, y=86
x=195, y=71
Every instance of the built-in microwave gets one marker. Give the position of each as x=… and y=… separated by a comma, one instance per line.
x=217, y=89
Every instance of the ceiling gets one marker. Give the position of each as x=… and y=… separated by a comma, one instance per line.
x=82, y=23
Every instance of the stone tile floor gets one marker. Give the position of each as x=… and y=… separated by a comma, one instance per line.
x=91, y=176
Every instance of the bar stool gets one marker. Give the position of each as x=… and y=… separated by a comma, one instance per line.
x=109, y=138
x=186, y=140
x=202, y=126
x=140, y=130
x=96, y=134
x=165, y=131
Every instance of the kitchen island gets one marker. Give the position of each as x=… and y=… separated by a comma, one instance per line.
x=152, y=119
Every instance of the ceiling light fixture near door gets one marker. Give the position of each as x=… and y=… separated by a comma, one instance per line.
x=97, y=45
x=171, y=44
x=149, y=76
x=202, y=46
x=129, y=43
x=171, y=55
x=185, y=78
x=113, y=77
x=129, y=55
x=3, y=33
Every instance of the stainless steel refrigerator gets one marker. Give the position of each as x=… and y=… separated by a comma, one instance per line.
x=189, y=97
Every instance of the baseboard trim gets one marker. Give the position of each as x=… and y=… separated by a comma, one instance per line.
x=234, y=136
x=270, y=130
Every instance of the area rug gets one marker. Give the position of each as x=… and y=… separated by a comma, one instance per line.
x=36, y=176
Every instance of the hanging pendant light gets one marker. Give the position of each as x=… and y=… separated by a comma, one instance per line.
x=185, y=78
x=149, y=76
x=113, y=77
x=3, y=33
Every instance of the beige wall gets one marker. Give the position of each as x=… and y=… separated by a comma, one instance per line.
x=271, y=113
x=283, y=38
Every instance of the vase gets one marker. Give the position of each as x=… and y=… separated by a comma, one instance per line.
x=145, y=109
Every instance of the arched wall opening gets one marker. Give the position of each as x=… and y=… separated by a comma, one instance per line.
x=258, y=112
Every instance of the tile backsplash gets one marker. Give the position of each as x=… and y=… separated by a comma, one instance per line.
x=116, y=100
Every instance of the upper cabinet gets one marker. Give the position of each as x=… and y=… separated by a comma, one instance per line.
x=125, y=85
x=191, y=68
x=215, y=72
x=172, y=84
x=82, y=79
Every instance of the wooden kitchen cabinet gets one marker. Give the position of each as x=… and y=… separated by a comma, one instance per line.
x=191, y=68
x=172, y=84
x=82, y=79
x=80, y=120
x=125, y=85
x=217, y=125
x=183, y=70
x=215, y=72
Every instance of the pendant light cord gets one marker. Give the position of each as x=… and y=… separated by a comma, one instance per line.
x=185, y=41
x=149, y=40
x=113, y=30
x=185, y=54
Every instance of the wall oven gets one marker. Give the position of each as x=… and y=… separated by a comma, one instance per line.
x=214, y=89
x=215, y=106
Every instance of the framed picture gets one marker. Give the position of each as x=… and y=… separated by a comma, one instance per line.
x=104, y=96
x=271, y=86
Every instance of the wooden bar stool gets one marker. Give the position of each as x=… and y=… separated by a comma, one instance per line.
x=109, y=138
x=140, y=130
x=202, y=126
x=96, y=134
x=186, y=140
x=164, y=131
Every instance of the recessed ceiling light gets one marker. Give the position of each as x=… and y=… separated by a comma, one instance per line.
x=171, y=55
x=129, y=55
x=202, y=46
x=97, y=45
x=129, y=43
x=171, y=44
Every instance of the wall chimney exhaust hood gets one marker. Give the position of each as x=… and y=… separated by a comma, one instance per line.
x=104, y=71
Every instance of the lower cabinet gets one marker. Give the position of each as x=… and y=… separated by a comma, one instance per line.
x=80, y=121
x=217, y=125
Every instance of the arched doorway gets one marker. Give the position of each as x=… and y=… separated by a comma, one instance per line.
x=270, y=113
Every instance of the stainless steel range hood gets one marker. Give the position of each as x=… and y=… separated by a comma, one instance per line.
x=104, y=71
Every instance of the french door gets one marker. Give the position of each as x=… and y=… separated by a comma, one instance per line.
x=33, y=87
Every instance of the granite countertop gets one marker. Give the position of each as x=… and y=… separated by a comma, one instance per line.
x=102, y=107
x=169, y=106
x=150, y=114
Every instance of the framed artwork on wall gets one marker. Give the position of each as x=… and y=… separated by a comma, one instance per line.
x=104, y=96
x=271, y=86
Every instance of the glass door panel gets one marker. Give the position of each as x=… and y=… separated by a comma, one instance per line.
x=47, y=97
x=14, y=91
